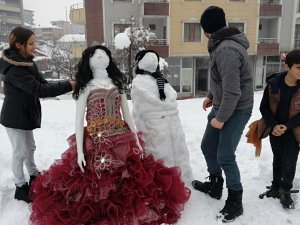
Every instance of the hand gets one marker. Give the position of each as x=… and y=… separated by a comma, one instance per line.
x=138, y=142
x=216, y=124
x=81, y=161
x=207, y=103
x=73, y=84
x=279, y=130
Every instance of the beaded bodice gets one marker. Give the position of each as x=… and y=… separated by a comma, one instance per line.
x=103, y=115
x=103, y=103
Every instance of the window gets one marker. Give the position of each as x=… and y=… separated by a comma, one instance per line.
x=192, y=32
x=152, y=27
x=298, y=6
x=297, y=37
x=187, y=62
x=187, y=80
x=240, y=26
x=119, y=28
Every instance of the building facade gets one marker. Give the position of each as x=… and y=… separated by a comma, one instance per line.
x=181, y=41
x=268, y=42
x=188, y=62
x=28, y=17
x=11, y=15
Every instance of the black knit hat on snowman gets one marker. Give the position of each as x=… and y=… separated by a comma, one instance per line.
x=212, y=19
x=160, y=80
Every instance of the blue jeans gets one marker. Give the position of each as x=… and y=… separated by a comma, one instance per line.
x=219, y=146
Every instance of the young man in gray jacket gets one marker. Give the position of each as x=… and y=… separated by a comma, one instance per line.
x=231, y=98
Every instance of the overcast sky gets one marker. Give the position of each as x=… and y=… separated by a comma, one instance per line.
x=49, y=10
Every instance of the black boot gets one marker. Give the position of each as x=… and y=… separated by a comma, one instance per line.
x=32, y=178
x=233, y=206
x=213, y=187
x=285, y=199
x=22, y=193
x=273, y=192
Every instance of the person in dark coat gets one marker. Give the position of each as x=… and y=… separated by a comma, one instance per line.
x=21, y=109
x=231, y=98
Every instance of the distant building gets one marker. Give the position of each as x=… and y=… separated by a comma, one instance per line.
x=76, y=42
x=43, y=63
x=69, y=28
x=11, y=15
x=51, y=33
x=28, y=16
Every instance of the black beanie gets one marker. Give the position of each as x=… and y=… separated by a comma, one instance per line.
x=213, y=19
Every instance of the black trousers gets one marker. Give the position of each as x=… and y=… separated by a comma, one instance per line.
x=285, y=155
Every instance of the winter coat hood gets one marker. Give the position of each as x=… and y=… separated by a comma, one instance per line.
x=11, y=57
x=227, y=33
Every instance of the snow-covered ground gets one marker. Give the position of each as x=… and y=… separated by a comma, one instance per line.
x=58, y=124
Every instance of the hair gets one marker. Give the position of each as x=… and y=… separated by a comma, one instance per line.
x=19, y=35
x=141, y=55
x=292, y=58
x=84, y=73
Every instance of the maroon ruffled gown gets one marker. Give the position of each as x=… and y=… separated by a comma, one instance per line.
x=118, y=187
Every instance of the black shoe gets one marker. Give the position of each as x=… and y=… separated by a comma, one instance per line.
x=32, y=178
x=286, y=200
x=273, y=192
x=233, y=206
x=22, y=193
x=213, y=187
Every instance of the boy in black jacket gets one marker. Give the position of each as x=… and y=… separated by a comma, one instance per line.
x=280, y=108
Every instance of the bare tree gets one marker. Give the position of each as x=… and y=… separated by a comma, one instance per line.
x=139, y=39
x=62, y=61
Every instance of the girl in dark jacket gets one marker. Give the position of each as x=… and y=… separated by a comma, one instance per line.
x=21, y=110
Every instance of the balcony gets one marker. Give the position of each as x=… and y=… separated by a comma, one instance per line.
x=270, y=8
x=160, y=46
x=156, y=8
x=268, y=47
x=10, y=7
x=77, y=13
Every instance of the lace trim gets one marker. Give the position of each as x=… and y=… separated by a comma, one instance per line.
x=100, y=129
x=105, y=162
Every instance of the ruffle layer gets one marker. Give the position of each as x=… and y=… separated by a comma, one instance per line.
x=128, y=190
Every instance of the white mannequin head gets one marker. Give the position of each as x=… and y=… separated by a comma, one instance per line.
x=99, y=60
x=98, y=64
x=149, y=62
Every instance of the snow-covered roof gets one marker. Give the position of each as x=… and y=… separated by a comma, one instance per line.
x=72, y=38
x=39, y=55
x=46, y=25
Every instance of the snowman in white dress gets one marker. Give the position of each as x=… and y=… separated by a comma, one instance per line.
x=155, y=113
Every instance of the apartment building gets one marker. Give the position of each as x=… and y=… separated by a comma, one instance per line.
x=28, y=17
x=269, y=39
x=105, y=19
x=290, y=29
x=188, y=62
x=11, y=15
x=181, y=41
